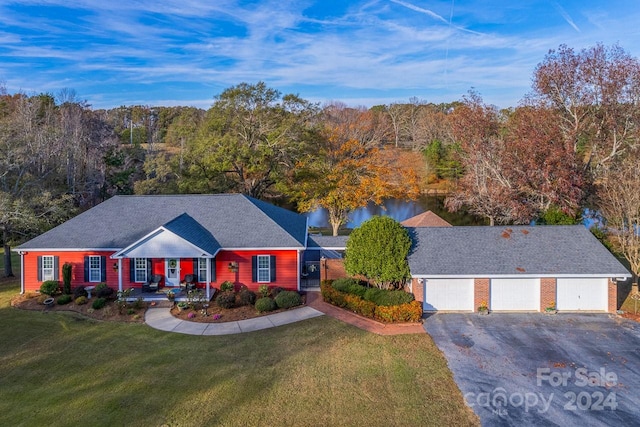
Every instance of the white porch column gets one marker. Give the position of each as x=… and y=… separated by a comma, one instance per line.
x=119, y=274
x=208, y=279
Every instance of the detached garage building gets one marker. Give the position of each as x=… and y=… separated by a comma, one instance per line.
x=516, y=268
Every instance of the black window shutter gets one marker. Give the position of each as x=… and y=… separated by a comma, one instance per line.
x=56, y=268
x=39, y=268
x=149, y=268
x=86, y=269
x=103, y=268
x=272, y=264
x=213, y=269
x=196, y=270
x=132, y=269
x=254, y=268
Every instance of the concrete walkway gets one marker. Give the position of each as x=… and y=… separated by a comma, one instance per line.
x=161, y=318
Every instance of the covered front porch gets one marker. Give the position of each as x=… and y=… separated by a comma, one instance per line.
x=179, y=255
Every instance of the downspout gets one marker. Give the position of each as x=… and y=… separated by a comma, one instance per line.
x=299, y=269
x=21, y=272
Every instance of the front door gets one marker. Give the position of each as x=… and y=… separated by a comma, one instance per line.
x=172, y=273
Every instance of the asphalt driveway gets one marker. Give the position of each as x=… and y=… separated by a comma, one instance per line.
x=537, y=369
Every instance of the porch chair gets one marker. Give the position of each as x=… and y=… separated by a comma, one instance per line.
x=189, y=282
x=153, y=284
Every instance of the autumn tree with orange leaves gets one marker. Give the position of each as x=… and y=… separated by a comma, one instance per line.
x=344, y=174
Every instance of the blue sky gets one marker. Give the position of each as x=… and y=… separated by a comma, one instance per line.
x=184, y=52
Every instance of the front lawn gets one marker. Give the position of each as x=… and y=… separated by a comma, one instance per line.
x=63, y=369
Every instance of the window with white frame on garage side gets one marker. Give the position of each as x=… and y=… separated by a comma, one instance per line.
x=140, y=269
x=94, y=269
x=202, y=269
x=47, y=268
x=264, y=268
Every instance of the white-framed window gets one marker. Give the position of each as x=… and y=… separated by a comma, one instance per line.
x=202, y=269
x=47, y=268
x=94, y=269
x=140, y=269
x=264, y=268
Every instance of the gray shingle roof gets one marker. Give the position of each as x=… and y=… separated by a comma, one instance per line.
x=327, y=242
x=510, y=251
x=233, y=220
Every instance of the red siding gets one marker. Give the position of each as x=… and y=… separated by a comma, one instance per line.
x=31, y=282
x=286, y=268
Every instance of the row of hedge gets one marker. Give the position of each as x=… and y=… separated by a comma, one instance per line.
x=375, y=295
x=404, y=312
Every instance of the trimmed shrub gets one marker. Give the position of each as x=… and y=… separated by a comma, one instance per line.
x=99, y=303
x=288, y=299
x=263, y=290
x=226, y=286
x=246, y=297
x=64, y=299
x=387, y=298
x=265, y=304
x=408, y=312
x=81, y=300
x=347, y=301
x=80, y=291
x=49, y=287
x=350, y=286
x=66, y=277
x=226, y=299
x=103, y=291
x=276, y=290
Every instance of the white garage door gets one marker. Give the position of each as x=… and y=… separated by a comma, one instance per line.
x=582, y=294
x=448, y=294
x=515, y=294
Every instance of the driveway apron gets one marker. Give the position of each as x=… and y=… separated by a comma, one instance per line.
x=537, y=369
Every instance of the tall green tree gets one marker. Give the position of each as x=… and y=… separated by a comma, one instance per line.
x=251, y=138
x=378, y=250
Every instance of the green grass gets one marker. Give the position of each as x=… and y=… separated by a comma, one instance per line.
x=61, y=369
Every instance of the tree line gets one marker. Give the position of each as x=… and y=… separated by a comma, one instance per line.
x=570, y=145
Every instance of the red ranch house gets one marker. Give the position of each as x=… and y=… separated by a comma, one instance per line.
x=130, y=241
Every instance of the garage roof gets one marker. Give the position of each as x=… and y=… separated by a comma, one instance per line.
x=510, y=251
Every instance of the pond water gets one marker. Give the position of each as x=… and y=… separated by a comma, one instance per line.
x=398, y=210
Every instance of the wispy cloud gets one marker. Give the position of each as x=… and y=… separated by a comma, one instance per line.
x=421, y=10
x=369, y=51
x=566, y=16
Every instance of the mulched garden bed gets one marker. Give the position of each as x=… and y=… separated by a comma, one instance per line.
x=109, y=313
x=221, y=315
